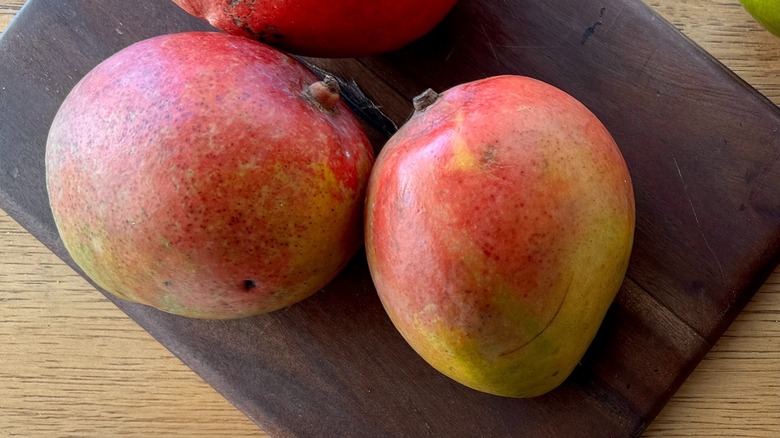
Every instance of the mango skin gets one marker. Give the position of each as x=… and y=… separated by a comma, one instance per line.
x=332, y=29
x=766, y=13
x=190, y=172
x=499, y=227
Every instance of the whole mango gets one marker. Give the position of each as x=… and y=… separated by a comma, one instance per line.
x=499, y=226
x=336, y=28
x=207, y=175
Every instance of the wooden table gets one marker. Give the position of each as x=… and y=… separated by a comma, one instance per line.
x=72, y=364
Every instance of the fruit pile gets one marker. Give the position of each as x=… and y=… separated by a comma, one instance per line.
x=212, y=175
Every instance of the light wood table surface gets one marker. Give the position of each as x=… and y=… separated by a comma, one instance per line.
x=72, y=364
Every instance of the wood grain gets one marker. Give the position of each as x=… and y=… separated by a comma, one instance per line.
x=52, y=371
x=734, y=391
x=8, y=9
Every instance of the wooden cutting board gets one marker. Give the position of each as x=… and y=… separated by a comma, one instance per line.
x=700, y=144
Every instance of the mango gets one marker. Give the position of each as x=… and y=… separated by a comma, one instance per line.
x=207, y=175
x=499, y=227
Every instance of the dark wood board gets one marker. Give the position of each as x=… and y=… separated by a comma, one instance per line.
x=701, y=145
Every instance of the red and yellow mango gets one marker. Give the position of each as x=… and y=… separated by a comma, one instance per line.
x=499, y=225
x=198, y=173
